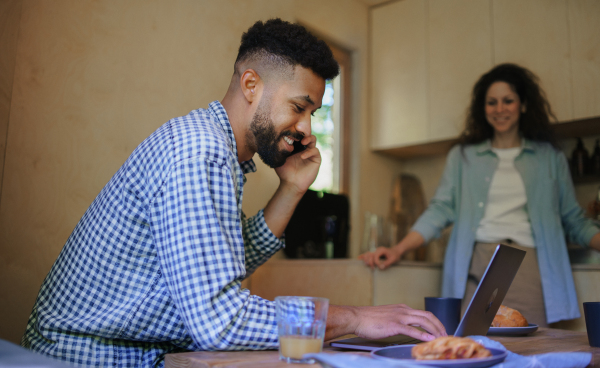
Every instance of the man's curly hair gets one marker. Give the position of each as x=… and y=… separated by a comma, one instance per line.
x=291, y=43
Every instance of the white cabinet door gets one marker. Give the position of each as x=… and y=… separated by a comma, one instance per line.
x=584, y=34
x=535, y=34
x=460, y=51
x=399, y=74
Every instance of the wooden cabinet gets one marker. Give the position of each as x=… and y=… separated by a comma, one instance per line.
x=399, y=72
x=584, y=35
x=347, y=281
x=427, y=54
x=425, y=57
x=535, y=34
x=459, y=52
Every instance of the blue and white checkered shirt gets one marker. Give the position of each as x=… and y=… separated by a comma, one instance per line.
x=155, y=263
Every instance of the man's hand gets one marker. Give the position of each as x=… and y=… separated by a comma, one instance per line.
x=382, y=321
x=300, y=170
x=296, y=175
x=382, y=257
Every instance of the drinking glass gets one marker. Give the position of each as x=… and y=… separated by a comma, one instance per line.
x=301, y=326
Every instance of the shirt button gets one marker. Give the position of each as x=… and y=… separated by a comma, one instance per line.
x=480, y=204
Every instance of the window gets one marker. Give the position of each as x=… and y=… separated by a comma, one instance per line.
x=331, y=127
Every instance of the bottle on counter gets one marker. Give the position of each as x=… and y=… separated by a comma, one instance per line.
x=330, y=232
x=597, y=205
x=595, y=160
x=579, y=160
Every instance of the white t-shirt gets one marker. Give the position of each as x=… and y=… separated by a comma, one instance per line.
x=506, y=214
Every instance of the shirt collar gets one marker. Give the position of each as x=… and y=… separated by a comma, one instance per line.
x=219, y=113
x=486, y=146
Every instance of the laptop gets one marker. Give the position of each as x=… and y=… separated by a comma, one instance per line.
x=480, y=313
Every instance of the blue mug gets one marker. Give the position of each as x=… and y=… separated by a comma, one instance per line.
x=447, y=310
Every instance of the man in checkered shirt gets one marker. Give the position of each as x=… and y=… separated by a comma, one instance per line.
x=156, y=262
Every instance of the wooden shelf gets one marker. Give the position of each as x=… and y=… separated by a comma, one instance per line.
x=586, y=179
x=565, y=130
x=578, y=128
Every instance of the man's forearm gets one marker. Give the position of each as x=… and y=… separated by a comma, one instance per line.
x=281, y=207
x=341, y=321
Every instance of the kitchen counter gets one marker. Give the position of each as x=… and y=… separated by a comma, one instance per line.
x=350, y=282
x=585, y=267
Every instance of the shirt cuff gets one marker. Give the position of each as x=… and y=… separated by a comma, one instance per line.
x=264, y=237
x=589, y=234
x=427, y=232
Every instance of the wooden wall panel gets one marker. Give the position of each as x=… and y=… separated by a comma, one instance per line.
x=460, y=50
x=535, y=34
x=407, y=285
x=10, y=15
x=343, y=282
x=399, y=73
x=584, y=35
x=92, y=80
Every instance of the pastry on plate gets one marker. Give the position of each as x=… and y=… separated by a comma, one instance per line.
x=508, y=317
x=450, y=347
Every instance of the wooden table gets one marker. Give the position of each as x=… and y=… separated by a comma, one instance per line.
x=545, y=340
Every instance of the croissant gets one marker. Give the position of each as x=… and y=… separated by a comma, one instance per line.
x=450, y=347
x=508, y=317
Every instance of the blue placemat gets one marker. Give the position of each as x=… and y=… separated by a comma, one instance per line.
x=548, y=360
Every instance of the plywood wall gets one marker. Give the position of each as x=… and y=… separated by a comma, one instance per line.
x=10, y=15
x=92, y=79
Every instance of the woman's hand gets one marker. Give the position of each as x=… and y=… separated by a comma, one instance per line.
x=384, y=257
x=381, y=258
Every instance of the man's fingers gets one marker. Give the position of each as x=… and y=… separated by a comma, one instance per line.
x=416, y=333
x=311, y=140
x=311, y=153
x=425, y=320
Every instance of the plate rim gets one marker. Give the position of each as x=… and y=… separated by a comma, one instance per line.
x=502, y=354
x=518, y=330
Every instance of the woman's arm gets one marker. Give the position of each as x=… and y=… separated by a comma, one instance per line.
x=595, y=242
x=384, y=257
x=578, y=228
x=439, y=214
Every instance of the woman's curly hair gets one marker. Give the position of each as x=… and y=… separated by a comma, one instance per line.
x=534, y=123
x=291, y=42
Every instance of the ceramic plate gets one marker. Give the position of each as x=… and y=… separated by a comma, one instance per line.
x=402, y=354
x=512, y=331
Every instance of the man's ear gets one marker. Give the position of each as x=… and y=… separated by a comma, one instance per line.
x=251, y=84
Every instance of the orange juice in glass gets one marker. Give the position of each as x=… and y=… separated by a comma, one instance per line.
x=301, y=326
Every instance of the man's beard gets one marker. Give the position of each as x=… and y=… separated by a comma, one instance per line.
x=266, y=139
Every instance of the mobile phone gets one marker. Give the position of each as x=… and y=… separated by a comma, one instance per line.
x=298, y=147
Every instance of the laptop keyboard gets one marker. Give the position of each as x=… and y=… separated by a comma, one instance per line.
x=405, y=342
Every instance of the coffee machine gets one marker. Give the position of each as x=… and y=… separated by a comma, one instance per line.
x=319, y=227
